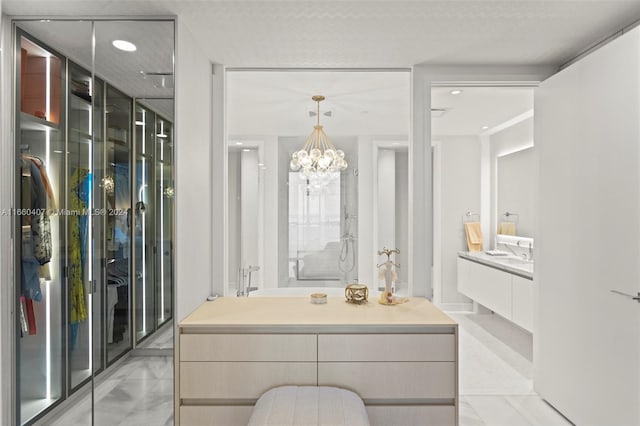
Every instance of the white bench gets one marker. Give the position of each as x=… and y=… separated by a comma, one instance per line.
x=309, y=405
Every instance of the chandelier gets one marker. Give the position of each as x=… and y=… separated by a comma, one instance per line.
x=318, y=155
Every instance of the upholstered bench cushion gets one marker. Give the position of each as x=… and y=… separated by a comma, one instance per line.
x=309, y=405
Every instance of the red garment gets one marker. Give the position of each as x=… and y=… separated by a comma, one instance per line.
x=31, y=316
x=45, y=178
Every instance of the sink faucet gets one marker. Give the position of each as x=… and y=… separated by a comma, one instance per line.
x=526, y=256
x=245, y=274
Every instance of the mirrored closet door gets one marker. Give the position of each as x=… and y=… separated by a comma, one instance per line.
x=94, y=194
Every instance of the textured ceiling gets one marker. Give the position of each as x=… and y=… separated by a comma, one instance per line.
x=370, y=33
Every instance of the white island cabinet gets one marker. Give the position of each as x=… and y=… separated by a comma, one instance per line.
x=401, y=360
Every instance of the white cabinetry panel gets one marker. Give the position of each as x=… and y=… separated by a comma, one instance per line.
x=522, y=302
x=385, y=347
x=217, y=415
x=391, y=380
x=248, y=347
x=487, y=286
x=241, y=380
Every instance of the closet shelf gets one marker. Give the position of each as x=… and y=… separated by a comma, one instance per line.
x=31, y=122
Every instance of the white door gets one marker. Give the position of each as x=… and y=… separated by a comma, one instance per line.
x=587, y=338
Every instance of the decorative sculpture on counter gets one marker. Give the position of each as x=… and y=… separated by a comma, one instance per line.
x=356, y=293
x=388, y=272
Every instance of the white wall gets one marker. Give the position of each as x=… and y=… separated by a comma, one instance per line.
x=233, y=224
x=587, y=339
x=402, y=216
x=6, y=258
x=366, y=247
x=249, y=211
x=515, y=174
x=386, y=188
x=459, y=177
x=194, y=185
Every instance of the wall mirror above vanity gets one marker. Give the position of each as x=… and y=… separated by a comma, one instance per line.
x=515, y=186
x=288, y=228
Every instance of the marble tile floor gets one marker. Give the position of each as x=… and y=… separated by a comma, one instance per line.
x=496, y=370
x=496, y=387
x=138, y=393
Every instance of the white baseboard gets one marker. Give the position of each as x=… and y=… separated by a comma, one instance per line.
x=456, y=307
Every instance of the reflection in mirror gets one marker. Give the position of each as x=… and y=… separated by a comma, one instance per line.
x=288, y=228
x=101, y=142
x=515, y=173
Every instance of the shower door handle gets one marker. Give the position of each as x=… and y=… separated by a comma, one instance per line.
x=636, y=298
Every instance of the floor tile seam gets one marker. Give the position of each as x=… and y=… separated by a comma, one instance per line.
x=515, y=410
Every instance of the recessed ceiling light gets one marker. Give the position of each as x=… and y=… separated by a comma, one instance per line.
x=246, y=150
x=238, y=143
x=456, y=92
x=485, y=127
x=127, y=46
x=57, y=151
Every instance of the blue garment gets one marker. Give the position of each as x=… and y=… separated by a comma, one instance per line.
x=31, y=279
x=84, y=193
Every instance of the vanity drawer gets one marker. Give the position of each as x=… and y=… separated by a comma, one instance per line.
x=432, y=415
x=248, y=347
x=216, y=415
x=391, y=380
x=241, y=380
x=386, y=347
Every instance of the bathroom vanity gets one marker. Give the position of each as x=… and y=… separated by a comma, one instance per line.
x=401, y=360
x=501, y=284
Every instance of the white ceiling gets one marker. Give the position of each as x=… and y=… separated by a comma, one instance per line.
x=128, y=71
x=468, y=112
x=372, y=33
x=361, y=103
x=278, y=103
x=338, y=34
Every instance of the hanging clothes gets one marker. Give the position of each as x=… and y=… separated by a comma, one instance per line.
x=33, y=230
x=77, y=203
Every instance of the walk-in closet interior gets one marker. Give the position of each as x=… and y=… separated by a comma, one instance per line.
x=94, y=193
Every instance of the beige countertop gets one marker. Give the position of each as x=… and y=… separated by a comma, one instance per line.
x=298, y=313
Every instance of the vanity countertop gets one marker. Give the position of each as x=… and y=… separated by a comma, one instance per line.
x=511, y=264
x=262, y=313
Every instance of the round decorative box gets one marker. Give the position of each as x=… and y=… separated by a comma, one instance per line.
x=356, y=293
x=318, y=298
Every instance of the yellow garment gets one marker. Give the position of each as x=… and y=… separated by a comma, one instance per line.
x=78, y=302
x=507, y=228
x=474, y=235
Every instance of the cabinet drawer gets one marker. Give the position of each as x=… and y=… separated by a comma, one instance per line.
x=391, y=380
x=219, y=415
x=485, y=285
x=386, y=347
x=241, y=380
x=248, y=347
x=408, y=415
